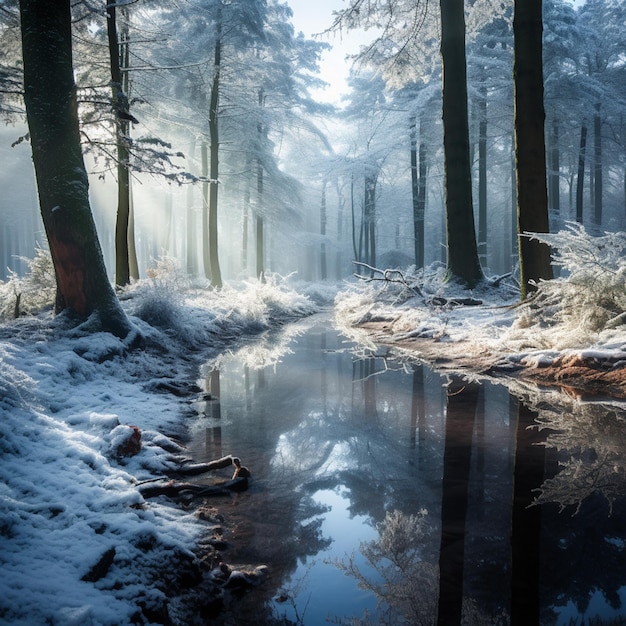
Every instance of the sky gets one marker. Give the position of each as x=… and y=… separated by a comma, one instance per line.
x=313, y=19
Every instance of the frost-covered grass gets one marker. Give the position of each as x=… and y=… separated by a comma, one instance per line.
x=584, y=309
x=68, y=400
x=587, y=303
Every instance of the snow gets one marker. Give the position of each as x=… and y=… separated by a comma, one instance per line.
x=67, y=407
x=71, y=400
x=581, y=312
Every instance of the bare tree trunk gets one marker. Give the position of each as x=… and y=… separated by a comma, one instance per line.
x=580, y=180
x=463, y=261
x=418, y=190
x=554, y=177
x=206, y=259
x=323, y=218
x=482, y=173
x=214, y=264
x=597, y=166
x=530, y=148
x=52, y=112
x=119, y=86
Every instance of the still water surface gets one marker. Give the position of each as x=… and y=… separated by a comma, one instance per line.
x=383, y=491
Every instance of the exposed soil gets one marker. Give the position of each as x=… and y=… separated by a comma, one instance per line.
x=581, y=377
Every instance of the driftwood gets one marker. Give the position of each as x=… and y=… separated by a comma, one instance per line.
x=173, y=489
x=194, y=469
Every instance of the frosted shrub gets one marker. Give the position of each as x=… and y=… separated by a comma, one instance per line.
x=168, y=271
x=159, y=300
x=32, y=293
x=591, y=294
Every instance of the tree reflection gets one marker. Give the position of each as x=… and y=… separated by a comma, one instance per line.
x=406, y=584
x=460, y=418
x=526, y=520
x=583, y=504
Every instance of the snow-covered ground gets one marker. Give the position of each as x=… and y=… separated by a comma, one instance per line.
x=582, y=313
x=68, y=492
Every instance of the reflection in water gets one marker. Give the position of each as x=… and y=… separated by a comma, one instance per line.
x=385, y=493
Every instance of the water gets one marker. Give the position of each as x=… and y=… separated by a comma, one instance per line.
x=371, y=476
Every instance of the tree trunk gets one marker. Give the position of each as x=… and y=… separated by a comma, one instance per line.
x=580, y=180
x=597, y=166
x=463, y=263
x=245, y=218
x=530, y=148
x=482, y=173
x=122, y=128
x=323, y=218
x=260, y=227
x=418, y=191
x=369, y=209
x=52, y=112
x=555, y=167
x=192, y=233
x=215, y=272
x=133, y=265
x=206, y=259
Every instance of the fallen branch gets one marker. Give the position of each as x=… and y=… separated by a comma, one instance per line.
x=387, y=275
x=173, y=489
x=194, y=469
x=168, y=487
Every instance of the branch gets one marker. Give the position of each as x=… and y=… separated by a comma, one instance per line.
x=386, y=276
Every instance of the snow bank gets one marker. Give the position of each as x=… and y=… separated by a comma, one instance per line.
x=79, y=545
x=582, y=311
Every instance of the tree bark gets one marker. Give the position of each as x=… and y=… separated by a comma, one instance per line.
x=597, y=166
x=214, y=264
x=63, y=188
x=580, y=179
x=463, y=263
x=418, y=190
x=555, y=167
x=323, y=220
x=482, y=172
x=122, y=127
x=530, y=148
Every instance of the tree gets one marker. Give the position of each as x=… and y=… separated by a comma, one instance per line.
x=530, y=151
x=52, y=113
x=463, y=261
x=118, y=55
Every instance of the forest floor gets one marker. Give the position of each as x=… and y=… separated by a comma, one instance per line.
x=579, y=374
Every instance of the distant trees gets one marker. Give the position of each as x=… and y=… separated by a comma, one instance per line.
x=426, y=175
x=52, y=111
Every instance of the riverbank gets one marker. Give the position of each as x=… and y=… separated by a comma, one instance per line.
x=584, y=373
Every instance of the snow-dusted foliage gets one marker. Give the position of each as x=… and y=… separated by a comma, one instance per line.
x=583, y=308
x=32, y=293
x=589, y=297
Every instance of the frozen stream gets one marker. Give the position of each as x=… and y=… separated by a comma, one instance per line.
x=367, y=468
